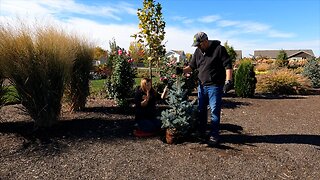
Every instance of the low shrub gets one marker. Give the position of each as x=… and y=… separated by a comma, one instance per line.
x=245, y=80
x=283, y=81
x=312, y=72
x=262, y=67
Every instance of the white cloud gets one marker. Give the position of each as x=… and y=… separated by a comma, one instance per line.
x=177, y=38
x=57, y=7
x=274, y=33
x=103, y=33
x=226, y=23
x=209, y=19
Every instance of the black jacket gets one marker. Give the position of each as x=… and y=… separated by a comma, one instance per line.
x=147, y=112
x=211, y=64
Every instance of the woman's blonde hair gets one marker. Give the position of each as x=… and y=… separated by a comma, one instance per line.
x=143, y=84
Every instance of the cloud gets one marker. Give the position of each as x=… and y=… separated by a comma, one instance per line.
x=209, y=19
x=66, y=7
x=183, y=20
x=226, y=23
x=258, y=34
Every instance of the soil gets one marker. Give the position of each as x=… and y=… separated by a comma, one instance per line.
x=261, y=138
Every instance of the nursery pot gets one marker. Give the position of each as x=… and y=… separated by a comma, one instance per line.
x=171, y=136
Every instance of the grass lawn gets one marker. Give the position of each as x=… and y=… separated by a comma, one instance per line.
x=97, y=86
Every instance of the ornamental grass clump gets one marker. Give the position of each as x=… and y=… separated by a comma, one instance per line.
x=283, y=82
x=36, y=62
x=77, y=89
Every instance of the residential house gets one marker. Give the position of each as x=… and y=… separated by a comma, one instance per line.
x=179, y=56
x=239, y=54
x=102, y=60
x=292, y=54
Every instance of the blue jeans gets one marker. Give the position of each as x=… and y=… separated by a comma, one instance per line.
x=212, y=96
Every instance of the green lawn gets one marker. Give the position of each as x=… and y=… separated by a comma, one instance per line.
x=97, y=86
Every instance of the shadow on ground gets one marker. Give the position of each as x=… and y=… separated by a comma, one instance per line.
x=56, y=139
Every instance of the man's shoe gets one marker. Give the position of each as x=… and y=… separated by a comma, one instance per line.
x=213, y=141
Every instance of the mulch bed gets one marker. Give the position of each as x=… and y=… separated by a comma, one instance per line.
x=266, y=137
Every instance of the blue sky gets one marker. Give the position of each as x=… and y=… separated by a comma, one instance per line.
x=247, y=25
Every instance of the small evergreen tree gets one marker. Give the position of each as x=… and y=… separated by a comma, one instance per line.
x=181, y=113
x=282, y=59
x=245, y=80
x=312, y=71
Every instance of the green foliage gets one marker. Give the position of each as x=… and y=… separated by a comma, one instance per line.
x=78, y=87
x=99, y=53
x=151, y=32
x=36, y=61
x=168, y=75
x=245, y=80
x=232, y=53
x=137, y=52
x=283, y=81
x=120, y=84
x=312, y=71
x=181, y=114
x=282, y=59
x=3, y=90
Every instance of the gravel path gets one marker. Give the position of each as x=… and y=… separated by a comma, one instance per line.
x=262, y=138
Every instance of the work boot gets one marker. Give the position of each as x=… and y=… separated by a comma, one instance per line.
x=213, y=141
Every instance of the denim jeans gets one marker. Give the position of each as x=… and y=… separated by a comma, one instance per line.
x=212, y=96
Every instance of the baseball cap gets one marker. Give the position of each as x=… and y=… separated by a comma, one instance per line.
x=198, y=38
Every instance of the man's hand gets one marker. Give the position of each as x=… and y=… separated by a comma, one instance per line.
x=179, y=70
x=227, y=86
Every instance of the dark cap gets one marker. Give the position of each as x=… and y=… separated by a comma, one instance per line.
x=198, y=38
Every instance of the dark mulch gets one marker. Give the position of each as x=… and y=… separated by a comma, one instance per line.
x=266, y=137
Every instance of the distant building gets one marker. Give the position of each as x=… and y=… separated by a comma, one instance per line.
x=96, y=62
x=292, y=54
x=179, y=56
x=239, y=54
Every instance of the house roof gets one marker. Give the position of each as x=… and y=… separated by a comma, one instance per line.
x=274, y=53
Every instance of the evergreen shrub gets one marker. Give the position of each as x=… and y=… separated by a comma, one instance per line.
x=120, y=83
x=245, y=80
x=181, y=114
x=312, y=71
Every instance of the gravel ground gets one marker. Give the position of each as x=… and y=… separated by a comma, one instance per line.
x=262, y=138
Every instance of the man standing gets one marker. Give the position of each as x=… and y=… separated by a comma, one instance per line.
x=215, y=77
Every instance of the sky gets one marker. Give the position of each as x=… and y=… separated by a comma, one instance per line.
x=246, y=25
